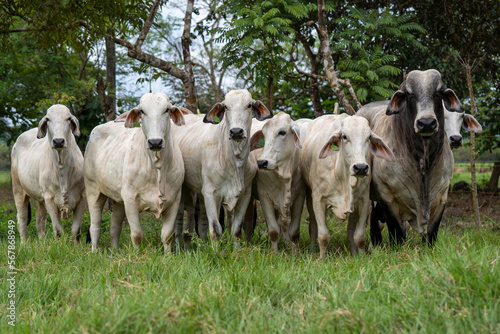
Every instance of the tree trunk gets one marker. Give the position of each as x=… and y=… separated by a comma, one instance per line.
x=189, y=81
x=269, y=98
x=475, y=201
x=110, y=114
x=316, y=101
x=328, y=64
x=495, y=175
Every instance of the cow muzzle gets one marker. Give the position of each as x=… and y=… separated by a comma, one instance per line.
x=360, y=170
x=155, y=144
x=58, y=143
x=455, y=141
x=262, y=164
x=426, y=126
x=237, y=134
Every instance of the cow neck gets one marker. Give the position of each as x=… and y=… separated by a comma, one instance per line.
x=161, y=161
x=64, y=162
x=234, y=157
x=424, y=154
x=343, y=184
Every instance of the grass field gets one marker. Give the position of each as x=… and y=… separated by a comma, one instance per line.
x=61, y=288
x=482, y=177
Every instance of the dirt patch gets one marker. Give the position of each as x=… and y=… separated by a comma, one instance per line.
x=459, y=208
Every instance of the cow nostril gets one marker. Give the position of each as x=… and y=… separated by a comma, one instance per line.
x=456, y=139
x=236, y=133
x=155, y=144
x=426, y=124
x=262, y=164
x=360, y=169
x=58, y=142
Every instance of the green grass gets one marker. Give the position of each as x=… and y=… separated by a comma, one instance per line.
x=481, y=178
x=452, y=288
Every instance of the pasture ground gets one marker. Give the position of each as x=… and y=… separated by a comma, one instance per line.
x=451, y=288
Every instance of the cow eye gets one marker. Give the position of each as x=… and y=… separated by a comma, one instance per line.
x=344, y=137
x=167, y=110
x=250, y=105
x=142, y=111
x=282, y=133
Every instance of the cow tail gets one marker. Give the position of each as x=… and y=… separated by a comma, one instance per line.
x=29, y=213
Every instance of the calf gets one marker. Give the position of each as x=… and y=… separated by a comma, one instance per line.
x=47, y=165
x=334, y=165
x=139, y=168
x=454, y=121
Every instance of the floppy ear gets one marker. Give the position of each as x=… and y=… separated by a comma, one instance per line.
x=254, y=141
x=380, y=149
x=327, y=149
x=217, y=110
x=260, y=111
x=42, y=128
x=185, y=111
x=397, y=103
x=471, y=124
x=75, y=126
x=122, y=117
x=451, y=101
x=133, y=116
x=296, y=135
x=176, y=115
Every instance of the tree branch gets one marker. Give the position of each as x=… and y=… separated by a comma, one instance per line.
x=147, y=25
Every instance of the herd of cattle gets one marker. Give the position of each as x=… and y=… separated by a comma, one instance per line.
x=396, y=153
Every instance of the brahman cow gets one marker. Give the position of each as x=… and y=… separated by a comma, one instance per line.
x=47, y=165
x=454, y=121
x=334, y=165
x=139, y=168
x=414, y=187
x=278, y=183
x=215, y=156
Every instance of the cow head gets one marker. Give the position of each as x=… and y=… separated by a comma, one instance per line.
x=352, y=141
x=282, y=137
x=155, y=112
x=422, y=95
x=454, y=121
x=236, y=110
x=58, y=125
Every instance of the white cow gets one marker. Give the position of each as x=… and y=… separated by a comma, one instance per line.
x=278, y=183
x=47, y=165
x=454, y=121
x=215, y=157
x=139, y=168
x=334, y=166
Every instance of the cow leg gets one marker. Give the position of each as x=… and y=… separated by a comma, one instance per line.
x=168, y=219
x=76, y=227
x=313, y=225
x=116, y=224
x=179, y=222
x=132, y=212
x=356, y=227
x=212, y=206
x=54, y=216
x=319, y=209
x=240, y=211
x=283, y=219
x=433, y=230
x=296, y=217
x=202, y=217
x=190, y=226
x=272, y=224
x=41, y=220
x=396, y=234
x=375, y=230
x=21, y=200
x=96, y=203
x=250, y=218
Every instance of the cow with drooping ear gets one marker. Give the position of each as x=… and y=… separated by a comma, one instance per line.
x=454, y=122
x=216, y=155
x=139, y=168
x=414, y=186
x=47, y=166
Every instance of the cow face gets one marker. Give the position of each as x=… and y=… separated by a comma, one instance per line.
x=58, y=125
x=282, y=137
x=353, y=141
x=454, y=121
x=155, y=112
x=422, y=94
x=236, y=110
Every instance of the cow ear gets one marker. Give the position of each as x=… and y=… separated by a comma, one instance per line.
x=122, y=117
x=176, y=115
x=254, y=141
x=327, y=150
x=471, y=124
x=185, y=111
x=451, y=101
x=397, y=103
x=217, y=110
x=296, y=135
x=42, y=127
x=133, y=116
x=75, y=126
x=380, y=149
x=260, y=111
